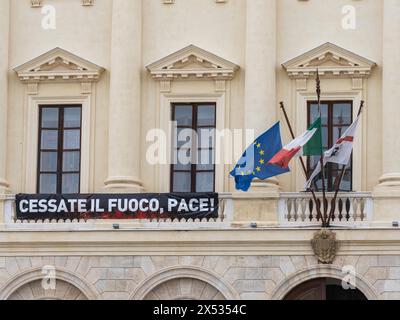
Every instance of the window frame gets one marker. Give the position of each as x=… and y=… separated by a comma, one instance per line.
x=193, y=170
x=60, y=145
x=330, y=126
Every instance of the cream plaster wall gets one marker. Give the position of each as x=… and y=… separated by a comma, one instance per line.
x=118, y=273
x=219, y=28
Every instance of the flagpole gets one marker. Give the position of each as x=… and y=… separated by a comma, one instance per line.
x=339, y=178
x=301, y=159
x=324, y=218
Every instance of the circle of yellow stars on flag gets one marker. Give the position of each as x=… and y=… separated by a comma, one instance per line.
x=261, y=161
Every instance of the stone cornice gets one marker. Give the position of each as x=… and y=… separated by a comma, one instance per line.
x=192, y=63
x=58, y=65
x=332, y=61
x=204, y=242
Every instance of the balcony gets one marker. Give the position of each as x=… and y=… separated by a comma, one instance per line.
x=288, y=210
x=225, y=217
x=350, y=209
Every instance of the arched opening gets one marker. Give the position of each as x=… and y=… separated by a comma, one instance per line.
x=324, y=289
x=35, y=290
x=66, y=286
x=184, y=283
x=184, y=289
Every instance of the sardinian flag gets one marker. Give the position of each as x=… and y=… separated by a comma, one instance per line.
x=340, y=153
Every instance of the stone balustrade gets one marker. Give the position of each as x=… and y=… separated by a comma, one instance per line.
x=293, y=210
x=350, y=209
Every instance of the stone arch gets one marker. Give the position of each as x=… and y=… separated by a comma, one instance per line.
x=76, y=287
x=184, y=283
x=321, y=271
x=34, y=291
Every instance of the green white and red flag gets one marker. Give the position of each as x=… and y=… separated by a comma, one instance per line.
x=307, y=144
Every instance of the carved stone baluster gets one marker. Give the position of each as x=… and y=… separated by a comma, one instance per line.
x=336, y=212
x=351, y=210
x=288, y=209
x=309, y=208
x=363, y=216
x=293, y=214
x=303, y=215
x=314, y=212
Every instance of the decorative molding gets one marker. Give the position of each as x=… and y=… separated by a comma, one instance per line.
x=31, y=137
x=86, y=87
x=357, y=83
x=33, y=88
x=36, y=3
x=301, y=84
x=59, y=65
x=87, y=2
x=173, y=1
x=39, y=3
x=192, y=63
x=165, y=86
x=332, y=61
x=220, y=85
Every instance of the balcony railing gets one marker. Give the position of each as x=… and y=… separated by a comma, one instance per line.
x=225, y=217
x=294, y=210
x=350, y=209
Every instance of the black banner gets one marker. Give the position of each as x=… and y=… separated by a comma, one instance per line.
x=118, y=206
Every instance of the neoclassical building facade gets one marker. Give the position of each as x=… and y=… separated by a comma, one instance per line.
x=84, y=83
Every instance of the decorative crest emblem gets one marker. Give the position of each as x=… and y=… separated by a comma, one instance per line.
x=325, y=246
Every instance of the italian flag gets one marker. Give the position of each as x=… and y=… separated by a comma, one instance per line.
x=307, y=144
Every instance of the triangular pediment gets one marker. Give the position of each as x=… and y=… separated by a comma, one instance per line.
x=192, y=62
x=59, y=65
x=331, y=61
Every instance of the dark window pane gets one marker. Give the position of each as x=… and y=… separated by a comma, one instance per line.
x=71, y=161
x=182, y=182
x=49, y=139
x=70, y=183
x=205, y=159
x=183, y=115
x=72, y=139
x=206, y=115
x=338, y=132
x=183, y=159
x=184, y=137
x=346, y=182
x=342, y=113
x=48, y=161
x=48, y=183
x=314, y=113
x=325, y=137
x=49, y=117
x=72, y=117
x=204, y=182
x=206, y=138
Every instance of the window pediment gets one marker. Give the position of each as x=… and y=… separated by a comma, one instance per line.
x=59, y=65
x=192, y=62
x=331, y=61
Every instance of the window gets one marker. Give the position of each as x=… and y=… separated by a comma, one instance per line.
x=337, y=116
x=193, y=169
x=59, y=149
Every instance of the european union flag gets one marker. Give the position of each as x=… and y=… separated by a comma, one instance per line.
x=254, y=162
